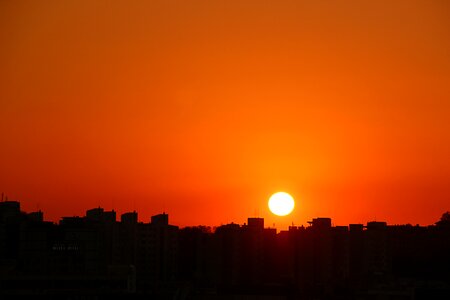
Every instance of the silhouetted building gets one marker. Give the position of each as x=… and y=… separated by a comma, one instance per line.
x=198, y=257
x=156, y=253
x=229, y=254
x=9, y=211
x=252, y=252
x=100, y=215
x=356, y=255
x=376, y=251
x=340, y=256
x=37, y=216
x=160, y=220
x=129, y=218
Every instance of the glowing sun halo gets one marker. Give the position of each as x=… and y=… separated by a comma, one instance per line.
x=281, y=204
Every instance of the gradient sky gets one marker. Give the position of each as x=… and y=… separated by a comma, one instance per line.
x=205, y=108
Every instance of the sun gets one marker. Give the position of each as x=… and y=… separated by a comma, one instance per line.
x=281, y=204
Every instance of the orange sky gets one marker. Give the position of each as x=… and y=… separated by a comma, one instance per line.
x=205, y=108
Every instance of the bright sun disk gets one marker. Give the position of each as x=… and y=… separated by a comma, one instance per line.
x=281, y=204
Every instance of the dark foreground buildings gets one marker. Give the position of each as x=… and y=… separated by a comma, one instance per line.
x=98, y=257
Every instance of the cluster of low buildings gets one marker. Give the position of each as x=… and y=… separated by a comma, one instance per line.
x=98, y=255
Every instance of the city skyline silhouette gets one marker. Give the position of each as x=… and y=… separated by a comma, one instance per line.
x=96, y=256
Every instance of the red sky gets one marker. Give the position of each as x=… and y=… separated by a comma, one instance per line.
x=205, y=108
